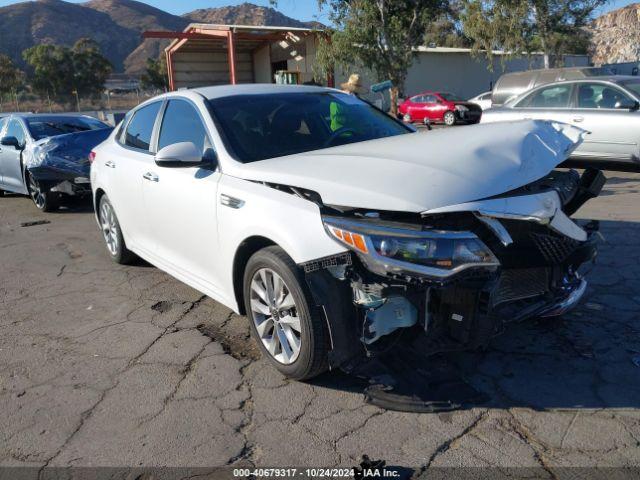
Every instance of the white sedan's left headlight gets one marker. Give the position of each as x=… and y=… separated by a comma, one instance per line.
x=430, y=253
x=462, y=108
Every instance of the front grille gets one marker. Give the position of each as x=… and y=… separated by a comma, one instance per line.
x=554, y=249
x=516, y=284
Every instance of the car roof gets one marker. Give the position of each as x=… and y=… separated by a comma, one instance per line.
x=255, y=89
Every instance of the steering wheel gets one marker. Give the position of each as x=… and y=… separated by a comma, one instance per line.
x=337, y=134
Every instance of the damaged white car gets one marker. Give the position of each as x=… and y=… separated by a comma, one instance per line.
x=336, y=228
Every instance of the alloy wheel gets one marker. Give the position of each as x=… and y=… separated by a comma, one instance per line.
x=275, y=316
x=36, y=193
x=109, y=227
x=449, y=118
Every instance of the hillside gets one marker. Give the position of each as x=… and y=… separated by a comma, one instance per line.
x=116, y=25
x=616, y=36
x=24, y=25
x=245, y=14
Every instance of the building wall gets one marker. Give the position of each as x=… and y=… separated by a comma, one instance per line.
x=197, y=69
x=458, y=72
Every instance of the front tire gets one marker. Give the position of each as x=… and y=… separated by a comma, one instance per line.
x=289, y=330
x=407, y=118
x=449, y=118
x=112, y=233
x=44, y=200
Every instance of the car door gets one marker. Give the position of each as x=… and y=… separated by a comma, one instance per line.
x=181, y=200
x=434, y=108
x=11, y=157
x=416, y=108
x=551, y=102
x=124, y=166
x=609, y=134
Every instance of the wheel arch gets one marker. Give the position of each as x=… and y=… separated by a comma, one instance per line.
x=245, y=250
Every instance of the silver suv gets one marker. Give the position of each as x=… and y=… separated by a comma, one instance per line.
x=607, y=107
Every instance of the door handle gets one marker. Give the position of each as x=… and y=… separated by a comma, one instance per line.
x=110, y=164
x=578, y=119
x=152, y=177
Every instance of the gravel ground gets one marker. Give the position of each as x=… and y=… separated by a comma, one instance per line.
x=104, y=365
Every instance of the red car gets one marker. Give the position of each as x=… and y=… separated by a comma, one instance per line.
x=439, y=107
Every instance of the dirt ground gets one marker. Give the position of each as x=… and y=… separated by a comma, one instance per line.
x=104, y=365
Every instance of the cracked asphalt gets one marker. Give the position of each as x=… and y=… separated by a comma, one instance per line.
x=104, y=365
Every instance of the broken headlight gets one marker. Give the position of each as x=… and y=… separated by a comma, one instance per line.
x=430, y=253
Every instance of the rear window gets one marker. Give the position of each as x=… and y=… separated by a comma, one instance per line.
x=633, y=86
x=44, y=127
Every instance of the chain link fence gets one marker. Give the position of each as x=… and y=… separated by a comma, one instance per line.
x=106, y=102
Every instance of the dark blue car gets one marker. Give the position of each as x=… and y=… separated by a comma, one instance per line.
x=46, y=156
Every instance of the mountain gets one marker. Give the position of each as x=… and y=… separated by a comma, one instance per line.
x=23, y=25
x=245, y=14
x=138, y=17
x=615, y=36
x=116, y=25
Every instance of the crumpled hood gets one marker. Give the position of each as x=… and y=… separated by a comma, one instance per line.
x=423, y=171
x=68, y=152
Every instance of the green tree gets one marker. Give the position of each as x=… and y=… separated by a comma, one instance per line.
x=60, y=70
x=446, y=29
x=155, y=74
x=51, y=69
x=11, y=78
x=380, y=35
x=553, y=27
x=90, y=68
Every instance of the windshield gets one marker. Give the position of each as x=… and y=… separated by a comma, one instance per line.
x=450, y=97
x=257, y=127
x=633, y=86
x=43, y=127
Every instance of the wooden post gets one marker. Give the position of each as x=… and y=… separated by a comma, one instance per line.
x=232, y=56
x=172, y=82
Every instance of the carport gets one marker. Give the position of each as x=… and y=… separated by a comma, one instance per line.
x=210, y=54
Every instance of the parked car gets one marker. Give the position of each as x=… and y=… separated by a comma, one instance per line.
x=439, y=107
x=483, y=100
x=510, y=85
x=335, y=239
x=607, y=107
x=47, y=156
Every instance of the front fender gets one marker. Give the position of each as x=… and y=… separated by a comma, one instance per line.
x=293, y=223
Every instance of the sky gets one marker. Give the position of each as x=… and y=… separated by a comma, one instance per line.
x=299, y=9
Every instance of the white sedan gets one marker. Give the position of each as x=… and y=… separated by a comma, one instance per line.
x=335, y=227
x=483, y=100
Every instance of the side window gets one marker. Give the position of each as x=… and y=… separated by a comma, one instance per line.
x=181, y=123
x=550, y=97
x=417, y=99
x=140, y=128
x=598, y=95
x=14, y=129
x=430, y=99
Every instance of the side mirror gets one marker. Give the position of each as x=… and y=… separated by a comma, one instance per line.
x=184, y=154
x=630, y=105
x=11, y=142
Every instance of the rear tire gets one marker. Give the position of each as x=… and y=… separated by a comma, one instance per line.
x=112, y=233
x=296, y=343
x=44, y=200
x=449, y=118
